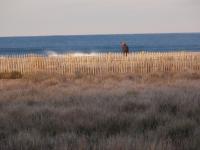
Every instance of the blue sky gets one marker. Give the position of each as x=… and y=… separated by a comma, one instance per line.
x=69, y=17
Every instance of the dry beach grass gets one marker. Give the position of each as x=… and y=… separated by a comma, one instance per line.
x=154, y=112
x=102, y=63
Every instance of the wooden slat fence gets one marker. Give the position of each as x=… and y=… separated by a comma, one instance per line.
x=102, y=63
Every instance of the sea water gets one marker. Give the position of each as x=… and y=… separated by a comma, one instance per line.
x=99, y=43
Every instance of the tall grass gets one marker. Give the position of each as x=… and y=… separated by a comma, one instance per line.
x=128, y=112
x=103, y=63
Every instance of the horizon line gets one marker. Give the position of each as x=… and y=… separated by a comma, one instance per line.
x=97, y=34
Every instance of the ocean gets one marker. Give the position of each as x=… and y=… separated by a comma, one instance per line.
x=99, y=43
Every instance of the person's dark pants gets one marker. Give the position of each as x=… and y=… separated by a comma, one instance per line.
x=125, y=53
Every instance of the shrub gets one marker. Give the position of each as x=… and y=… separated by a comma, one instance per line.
x=114, y=125
x=47, y=122
x=149, y=122
x=180, y=129
x=168, y=107
x=130, y=106
x=23, y=141
x=53, y=114
x=10, y=75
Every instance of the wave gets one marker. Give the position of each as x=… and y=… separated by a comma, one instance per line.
x=76, y=54
x=84, y=54
x=52, y=53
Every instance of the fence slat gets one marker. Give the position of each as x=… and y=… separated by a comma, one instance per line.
x=102, y=63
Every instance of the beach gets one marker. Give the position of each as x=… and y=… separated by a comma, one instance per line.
x=99, y=75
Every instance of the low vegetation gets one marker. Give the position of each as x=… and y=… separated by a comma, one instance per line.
x=155, y=112
x=103, y=63
x=10, y=75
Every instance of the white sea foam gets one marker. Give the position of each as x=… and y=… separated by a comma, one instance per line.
x=52, y=54
x=84, y=54
x=76, y=54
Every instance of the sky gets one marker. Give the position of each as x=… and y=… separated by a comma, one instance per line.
x=75, y=17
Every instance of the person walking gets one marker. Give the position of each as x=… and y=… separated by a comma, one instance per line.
x=125, y=48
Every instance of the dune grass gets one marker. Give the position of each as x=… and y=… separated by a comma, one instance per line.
x=156, y=112
x=10, y=75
